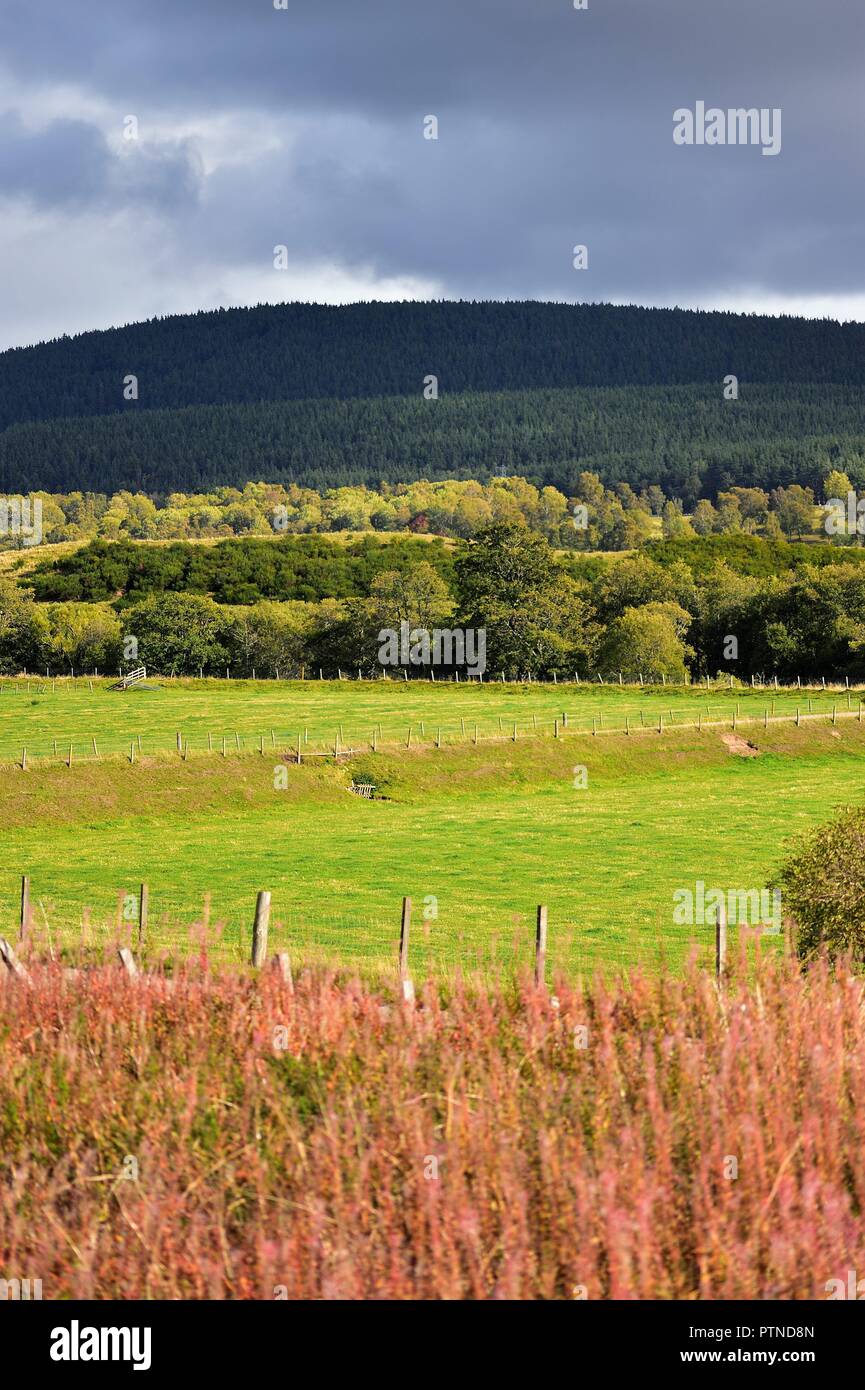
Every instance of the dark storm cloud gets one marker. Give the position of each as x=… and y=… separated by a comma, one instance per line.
x=555, y=129
x=69, y=162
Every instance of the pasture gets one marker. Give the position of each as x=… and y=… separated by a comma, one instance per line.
x=46, y=716
x=477, y=834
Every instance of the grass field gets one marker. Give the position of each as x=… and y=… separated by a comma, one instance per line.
x=476, y=835
x=46, y=716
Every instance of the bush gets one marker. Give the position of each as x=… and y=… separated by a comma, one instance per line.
x=824, y=887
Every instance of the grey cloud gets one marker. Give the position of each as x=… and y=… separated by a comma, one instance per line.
x=69, y=162
x=555, y=128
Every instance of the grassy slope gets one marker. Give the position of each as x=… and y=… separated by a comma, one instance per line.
x=489, y=831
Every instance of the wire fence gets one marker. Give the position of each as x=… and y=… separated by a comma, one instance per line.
x=341, y=741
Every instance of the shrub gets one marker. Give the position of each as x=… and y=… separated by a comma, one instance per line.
x=824, y=887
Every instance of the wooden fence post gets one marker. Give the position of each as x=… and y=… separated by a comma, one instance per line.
x=127, y=960
x=259, y=930
x=281, y=964
x=25, y=908
x=721, y=942
x=405, y=926
x=11, y=961
x=540, y=946
x=143, y=905
x=404, y=977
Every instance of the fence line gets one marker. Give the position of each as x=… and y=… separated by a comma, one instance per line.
x=281, y=964
x=291, y=747
x=617, y=680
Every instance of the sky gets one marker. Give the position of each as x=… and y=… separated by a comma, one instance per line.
x=304, y=127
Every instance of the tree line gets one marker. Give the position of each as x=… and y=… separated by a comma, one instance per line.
x=232, y=572
x=594, y=517
x=540, y=612
x=686, y=439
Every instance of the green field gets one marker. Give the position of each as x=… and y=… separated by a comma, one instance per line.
x=46, y=716
x=487, y=831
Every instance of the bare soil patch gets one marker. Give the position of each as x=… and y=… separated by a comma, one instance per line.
x=740, y=746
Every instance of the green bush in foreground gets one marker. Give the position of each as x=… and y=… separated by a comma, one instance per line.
x=824, y=887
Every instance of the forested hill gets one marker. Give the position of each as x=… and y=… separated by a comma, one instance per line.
x=686, y=439
x=305, y=351
x=329, y=396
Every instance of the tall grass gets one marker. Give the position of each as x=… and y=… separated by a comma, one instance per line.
x=655, y=1138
